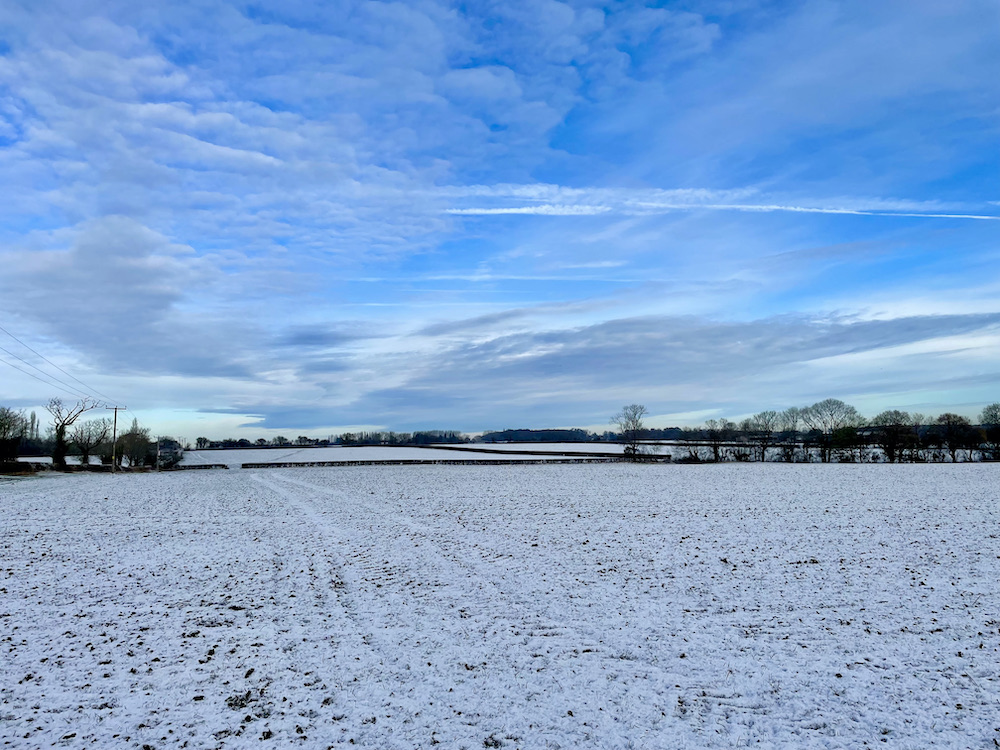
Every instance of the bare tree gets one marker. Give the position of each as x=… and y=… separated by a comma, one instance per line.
x=762, y=426
x=849, y=444
x=718, y=431
x=744, y=452
x=13, y=427
x=630, y=427
x=914, y=451
x=788, y=423
x=135, y=444
x=695, y=453
x=893, y=433
x=88, y=435
x=954, y=432
x=831, y=414
x=827, y=417
x=63, y=417
x=789, y=419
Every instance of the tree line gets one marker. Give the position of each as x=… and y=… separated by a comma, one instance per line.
x=829, y=430
x=426, y=437
x=133, y=446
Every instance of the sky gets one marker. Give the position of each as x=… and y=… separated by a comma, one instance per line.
x=252, y=218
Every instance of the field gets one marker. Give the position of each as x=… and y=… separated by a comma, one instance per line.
x=482, y=452
x=545, y=606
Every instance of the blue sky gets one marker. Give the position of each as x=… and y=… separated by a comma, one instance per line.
x=303, y=217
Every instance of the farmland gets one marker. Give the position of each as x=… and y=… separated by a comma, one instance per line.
x=544, y=606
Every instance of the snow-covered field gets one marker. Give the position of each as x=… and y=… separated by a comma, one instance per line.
x=70, y=460
x=545, y=606
x=553, y=447
x=236, y=457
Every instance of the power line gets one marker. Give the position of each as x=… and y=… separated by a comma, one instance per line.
x=72, y=389
x=89, y=388
x=114, y=436
x=32, y=375
x=75, y=392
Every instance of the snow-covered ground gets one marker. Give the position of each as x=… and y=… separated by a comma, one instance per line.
x=544, y=606
x=234, y=458
x=70, y=460
x=552, y=447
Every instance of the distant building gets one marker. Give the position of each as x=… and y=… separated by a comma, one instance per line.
x=168, y=453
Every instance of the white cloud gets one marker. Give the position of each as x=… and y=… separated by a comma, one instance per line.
x=212, y=175
x=561, y=201
x=545, y=209
x=116, y=296
x=490, y=83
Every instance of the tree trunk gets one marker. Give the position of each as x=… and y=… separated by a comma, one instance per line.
x=59, y=452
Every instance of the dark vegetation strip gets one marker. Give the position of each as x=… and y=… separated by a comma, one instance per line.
x=196, y=467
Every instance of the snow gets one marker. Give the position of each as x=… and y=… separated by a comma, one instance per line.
x=70, y=460
x=236, y=457
x=542, y=606
x=597, y=448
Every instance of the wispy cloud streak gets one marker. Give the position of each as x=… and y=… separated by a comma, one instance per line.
x=582, y=202
x=544, y=210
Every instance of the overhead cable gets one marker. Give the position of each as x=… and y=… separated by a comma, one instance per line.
x=32, y=375
x=90, y=390
x=71, y=389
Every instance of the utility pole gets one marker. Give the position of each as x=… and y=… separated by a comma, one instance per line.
x=114, y=436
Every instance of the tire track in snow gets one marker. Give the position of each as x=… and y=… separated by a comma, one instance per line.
x=384, y=684
x=479, y=620
x=483, y=587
